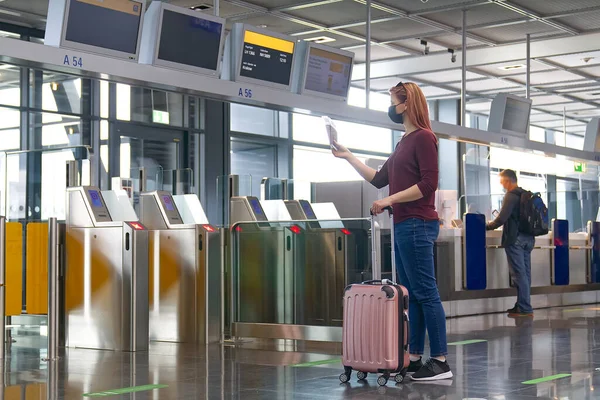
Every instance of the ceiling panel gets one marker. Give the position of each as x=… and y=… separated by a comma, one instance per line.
x=583, y=22
x=446, y=76
x=484, y=14
x=570, y=107
x=382, y=84
x=495, y=69
x=593, y=95
x=272, y=23
x=595, y=71
x=377, y=53
x=515, y=32
x=394, y=29
x=559, y=124
x=546, y=7
x=416, y=6
x=415, y=44
x=338, y=13
x=432, y=91
x=547, y=99
x=225, y=9
x=549, y=77
x=268, y=3
x=577, y=60
x=544, y=117
x=452, y=41
x=490, y=84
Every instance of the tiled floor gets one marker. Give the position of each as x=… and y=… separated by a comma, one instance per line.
x=515, y=350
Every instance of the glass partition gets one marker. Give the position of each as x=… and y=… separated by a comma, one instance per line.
x=178, y=181
x=300, y=286
x=47, y=191
x=229, y=186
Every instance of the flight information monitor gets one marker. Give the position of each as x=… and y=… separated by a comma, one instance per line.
x=509, y=114
x=181, y=38
x=258, y=56
x=323, y=71
x=106, y=27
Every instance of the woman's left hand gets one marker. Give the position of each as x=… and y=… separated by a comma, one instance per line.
x=380, y=205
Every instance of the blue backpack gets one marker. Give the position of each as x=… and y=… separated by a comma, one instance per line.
x=533, y=214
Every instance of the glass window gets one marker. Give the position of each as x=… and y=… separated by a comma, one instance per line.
x=104, y=90
x=574, y=142
x=537, y=134
x=56, y=129
x=259, y=121
x=258, y=160
x=60, y=93
x=311, y=129
x=149, y=105
x=10, y=92
x=319, y=165
x=10, y=136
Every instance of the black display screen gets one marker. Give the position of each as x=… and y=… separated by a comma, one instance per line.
x=108, y=24
x=96, y=200
x=168, y=203
x=267, y=58
x=308, y=210
x=256, y=207
x=189, y=40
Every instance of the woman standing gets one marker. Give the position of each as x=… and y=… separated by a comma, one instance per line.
x=412, y=175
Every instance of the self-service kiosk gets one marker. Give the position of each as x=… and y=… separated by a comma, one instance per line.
x=184, y=285
x=106, y=272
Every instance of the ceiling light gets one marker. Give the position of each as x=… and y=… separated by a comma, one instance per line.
x=201, y=7
x=511, y=67
x=263, y=26
x=320, y=39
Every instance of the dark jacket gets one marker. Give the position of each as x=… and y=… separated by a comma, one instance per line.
x=509, y=217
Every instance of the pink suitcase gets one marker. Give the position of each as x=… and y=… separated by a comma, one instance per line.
x=375, y=329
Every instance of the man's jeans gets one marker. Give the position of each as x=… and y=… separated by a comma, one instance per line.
x=519, y=262
x=414, y=263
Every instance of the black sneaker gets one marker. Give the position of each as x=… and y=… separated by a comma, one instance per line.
x=513, y=310
x=518, y=313
x=433, y=370
x=414, y=366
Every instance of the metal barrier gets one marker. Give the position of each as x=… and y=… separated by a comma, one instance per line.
x=53, y=289
x=2, y=287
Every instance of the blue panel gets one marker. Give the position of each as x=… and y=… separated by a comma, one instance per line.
x=560, y=228
x=595, y=259
x=475, y=252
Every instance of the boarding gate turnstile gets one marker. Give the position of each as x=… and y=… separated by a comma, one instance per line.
x=106, y=272
x=184, y=288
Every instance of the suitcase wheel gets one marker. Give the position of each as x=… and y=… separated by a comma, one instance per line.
x=345, y=377
x=399, y=378
x=361, y=375
x=383, y=379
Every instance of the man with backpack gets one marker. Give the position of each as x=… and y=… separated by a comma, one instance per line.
x=523, y=216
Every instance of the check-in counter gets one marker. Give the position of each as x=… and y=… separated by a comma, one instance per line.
x=474, y=276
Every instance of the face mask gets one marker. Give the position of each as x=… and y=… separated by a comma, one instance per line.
x=394, y=116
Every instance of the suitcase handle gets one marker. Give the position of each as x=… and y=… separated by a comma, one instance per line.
x=388, y=209
x=378, y=281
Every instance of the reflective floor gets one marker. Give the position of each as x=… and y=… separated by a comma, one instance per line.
x=492, y=356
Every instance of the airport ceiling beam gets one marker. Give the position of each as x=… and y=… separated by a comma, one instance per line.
x=481, y=56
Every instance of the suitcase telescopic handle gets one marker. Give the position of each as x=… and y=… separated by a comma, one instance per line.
x=388, y=209
x=378, y=281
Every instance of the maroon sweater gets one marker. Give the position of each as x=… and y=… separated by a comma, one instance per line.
x=413, y=162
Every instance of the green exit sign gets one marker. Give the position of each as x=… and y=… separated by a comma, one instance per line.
x=160, y=117
x=579, y=167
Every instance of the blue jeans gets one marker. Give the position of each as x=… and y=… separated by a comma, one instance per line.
x=519, y=262
x=414, y=263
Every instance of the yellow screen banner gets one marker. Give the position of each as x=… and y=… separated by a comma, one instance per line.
x=126, y=6
x=269, y=42
x=330, y=55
